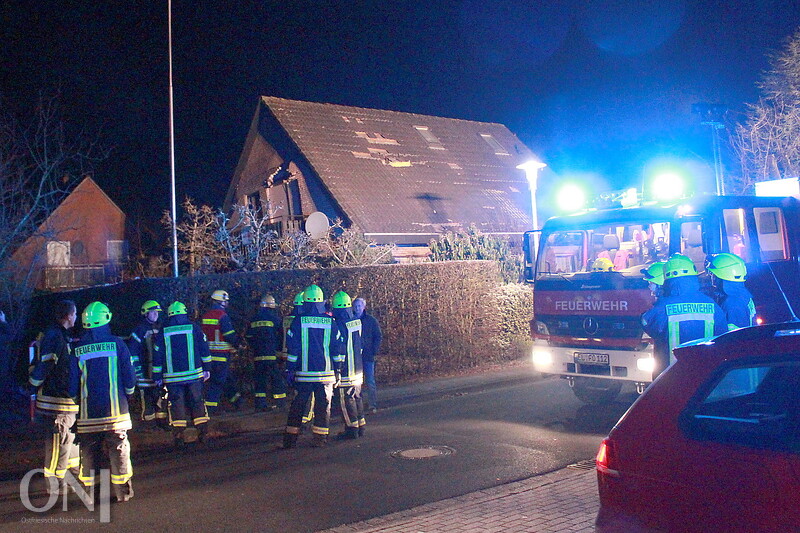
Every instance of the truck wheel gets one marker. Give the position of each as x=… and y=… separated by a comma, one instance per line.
x=595, y=391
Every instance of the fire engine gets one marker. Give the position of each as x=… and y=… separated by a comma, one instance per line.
x=586, y=324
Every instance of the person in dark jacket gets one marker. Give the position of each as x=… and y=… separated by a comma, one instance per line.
x=181, y=360
x=371, y=345
x=102, y=377
x=315, y=355
x=265, y=336
x=50, y=373
x=683, y=314
x=351, y=376
x=140, y=344
x=728, y=276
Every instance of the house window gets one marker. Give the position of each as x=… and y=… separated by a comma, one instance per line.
x=254, y=201
x=58, y=253
x=115, y=251
x=771, y=234
x=496, y=146
x=433, y=142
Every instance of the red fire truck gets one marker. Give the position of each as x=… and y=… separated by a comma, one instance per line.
x=586, y=325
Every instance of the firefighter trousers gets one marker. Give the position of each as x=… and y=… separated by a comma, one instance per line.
x=221, y=384
x=107, y=448
x=186, y=403
x=152, y=407
x=352, y=406
x=267, y=376
x=61, y=453
x=322, y=394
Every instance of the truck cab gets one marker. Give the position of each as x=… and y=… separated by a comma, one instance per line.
x=586, y=324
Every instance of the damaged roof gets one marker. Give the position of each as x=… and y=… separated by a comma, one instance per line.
x=398, y=173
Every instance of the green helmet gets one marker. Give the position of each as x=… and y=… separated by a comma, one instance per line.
x=298, y=300
x=655, y=273
x=176, y=308
x=341, y=300
x=95, y=315
x=726, y=266
x=313, y=294
x=678, y=265
x=150, y=305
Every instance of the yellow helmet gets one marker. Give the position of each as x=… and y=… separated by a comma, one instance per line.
x=313, y=294
x=602, y=264
x=150, y=305
x=678, y=265
x=95, y=315
x=220, y=296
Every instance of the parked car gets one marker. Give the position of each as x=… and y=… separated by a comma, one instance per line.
x=713, y=444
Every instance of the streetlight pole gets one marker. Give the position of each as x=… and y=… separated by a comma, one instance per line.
x=172, y=151
x=532, y=169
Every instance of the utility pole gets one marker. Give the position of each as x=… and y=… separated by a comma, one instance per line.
x=172, y=151
x=713, y=115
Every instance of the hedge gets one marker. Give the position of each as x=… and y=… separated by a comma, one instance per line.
x=436, y=317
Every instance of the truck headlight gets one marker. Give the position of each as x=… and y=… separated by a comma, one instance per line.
x=542, y=358
x=646, y=364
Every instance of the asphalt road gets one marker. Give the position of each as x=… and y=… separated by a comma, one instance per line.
x=488, y=433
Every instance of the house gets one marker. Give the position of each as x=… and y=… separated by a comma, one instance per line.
x=398, y=177
x=81, y=243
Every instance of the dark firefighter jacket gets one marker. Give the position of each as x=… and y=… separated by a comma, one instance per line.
x=102, y=377
x=315, y=347
x=352, y=369
x=140, y=344
x=180, y=351
x=683, y=314
x=219, y=331
x=265, y=334
x=737, y=303
x=50, y=372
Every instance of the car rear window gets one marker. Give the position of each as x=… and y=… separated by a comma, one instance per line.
x=753, y=405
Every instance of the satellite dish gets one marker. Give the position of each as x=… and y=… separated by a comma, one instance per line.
x=317, y=225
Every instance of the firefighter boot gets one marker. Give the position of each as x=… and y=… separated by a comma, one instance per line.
x=348, y=434
x=320, y=441
x=123, y=493
x=289, y=440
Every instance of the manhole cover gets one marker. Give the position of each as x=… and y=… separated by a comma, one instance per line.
x=587, y=464
x=423, y=452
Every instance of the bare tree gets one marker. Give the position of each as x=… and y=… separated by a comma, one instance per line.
x=40, y=161
x=198, y=247
x=767, y=144
x=349, y=247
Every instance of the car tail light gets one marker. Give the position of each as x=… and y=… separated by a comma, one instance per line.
x=606, y=458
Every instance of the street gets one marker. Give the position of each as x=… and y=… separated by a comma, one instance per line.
x=489, y=433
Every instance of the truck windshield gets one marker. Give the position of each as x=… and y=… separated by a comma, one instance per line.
x=628, y=247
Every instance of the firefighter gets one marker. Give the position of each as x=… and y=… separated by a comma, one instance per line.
x=728, y=273
x=265, y=336
x=602, y=264
x=181, y=361
x=683, y=314
x=351, y=377
x=50, y=373
x=654, y=276
x=315, y=354
x=222, y=342
x=140, y=344
x=102, y=377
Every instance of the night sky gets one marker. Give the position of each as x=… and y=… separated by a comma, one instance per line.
x=596, y=88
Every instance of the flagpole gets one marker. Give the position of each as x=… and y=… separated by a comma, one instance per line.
x=172, y=152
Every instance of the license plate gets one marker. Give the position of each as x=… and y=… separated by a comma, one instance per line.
x=587, y=358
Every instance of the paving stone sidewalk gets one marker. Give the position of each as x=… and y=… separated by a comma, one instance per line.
x=564, y=500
